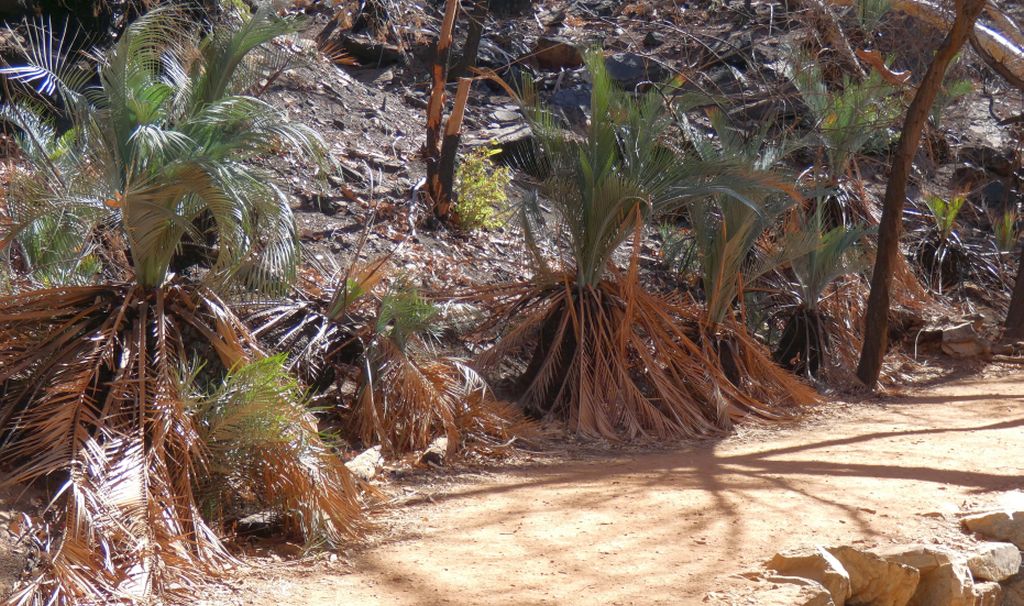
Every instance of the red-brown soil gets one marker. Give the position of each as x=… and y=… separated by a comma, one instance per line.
x=670, y=526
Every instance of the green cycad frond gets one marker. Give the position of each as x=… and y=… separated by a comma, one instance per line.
x=727, y=226
x=618, y=174
x=820, y=256
x=50, y=66
x=223, y=53
x=726, y=232
x=166, y=143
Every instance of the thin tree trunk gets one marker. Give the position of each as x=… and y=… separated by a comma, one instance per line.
x=877, y=315
x=477, y=16
x=1015, y=315
x=439, y=74
x=441, y=183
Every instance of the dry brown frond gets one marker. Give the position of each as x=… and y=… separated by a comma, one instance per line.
x=92, y=395
x=616, y=361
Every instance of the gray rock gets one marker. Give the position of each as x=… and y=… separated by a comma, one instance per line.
x=652, y=40
x=998, y=525
x=875, y=581
x=963, y=341
x=817, y=565
x=994, y=561
x=629, y=70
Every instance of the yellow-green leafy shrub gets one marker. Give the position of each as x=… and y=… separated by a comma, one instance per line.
x=482, y=187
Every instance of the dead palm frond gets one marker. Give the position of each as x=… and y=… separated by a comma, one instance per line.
x=595, y=348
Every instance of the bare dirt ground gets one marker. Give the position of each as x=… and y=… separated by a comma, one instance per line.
x=670, y=526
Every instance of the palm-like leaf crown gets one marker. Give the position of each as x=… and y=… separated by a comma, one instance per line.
x=610, y=180
x=167, y=136
x=821, y=255
x=727, y=228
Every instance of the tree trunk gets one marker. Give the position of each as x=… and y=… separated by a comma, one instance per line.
x=441, y=182
x=477, y=16
x=877, y=315
x=439, y=77
x=1015, y=315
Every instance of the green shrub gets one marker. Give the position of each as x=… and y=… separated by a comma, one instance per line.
x=481, y=187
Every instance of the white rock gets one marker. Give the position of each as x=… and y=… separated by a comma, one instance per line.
x=874, y=580
x=989, y=594
x=947, y=585
x=994, y=561
x=945, y=578
x=367, y=464
x=998, y=525
x=924, y=558
x=818, y=565
x=794, y=591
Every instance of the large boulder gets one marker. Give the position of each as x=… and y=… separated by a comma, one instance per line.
x=1013, y=590
x=994, y=561
x=875, y=581
x=818, y=565
x=998, y=525
x=793, y=591
x=945, y=579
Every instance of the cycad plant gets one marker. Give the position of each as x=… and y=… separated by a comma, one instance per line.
x=939, y=250
x=734, y=251
x=848, y=121
x=264, y=452
x=366, y=343
x=734, y=255
x=820, y=256
x=161, y=135
x=590, y=344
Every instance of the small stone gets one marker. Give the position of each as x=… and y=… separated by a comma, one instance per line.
x=367, y=464
x=994, y=561
x=874, y=580
x=435, y=453
x=998, y=525
x=652, y=40
x=504, y=115
x=817, y=565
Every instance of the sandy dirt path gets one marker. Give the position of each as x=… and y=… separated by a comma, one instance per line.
x=670, y=526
